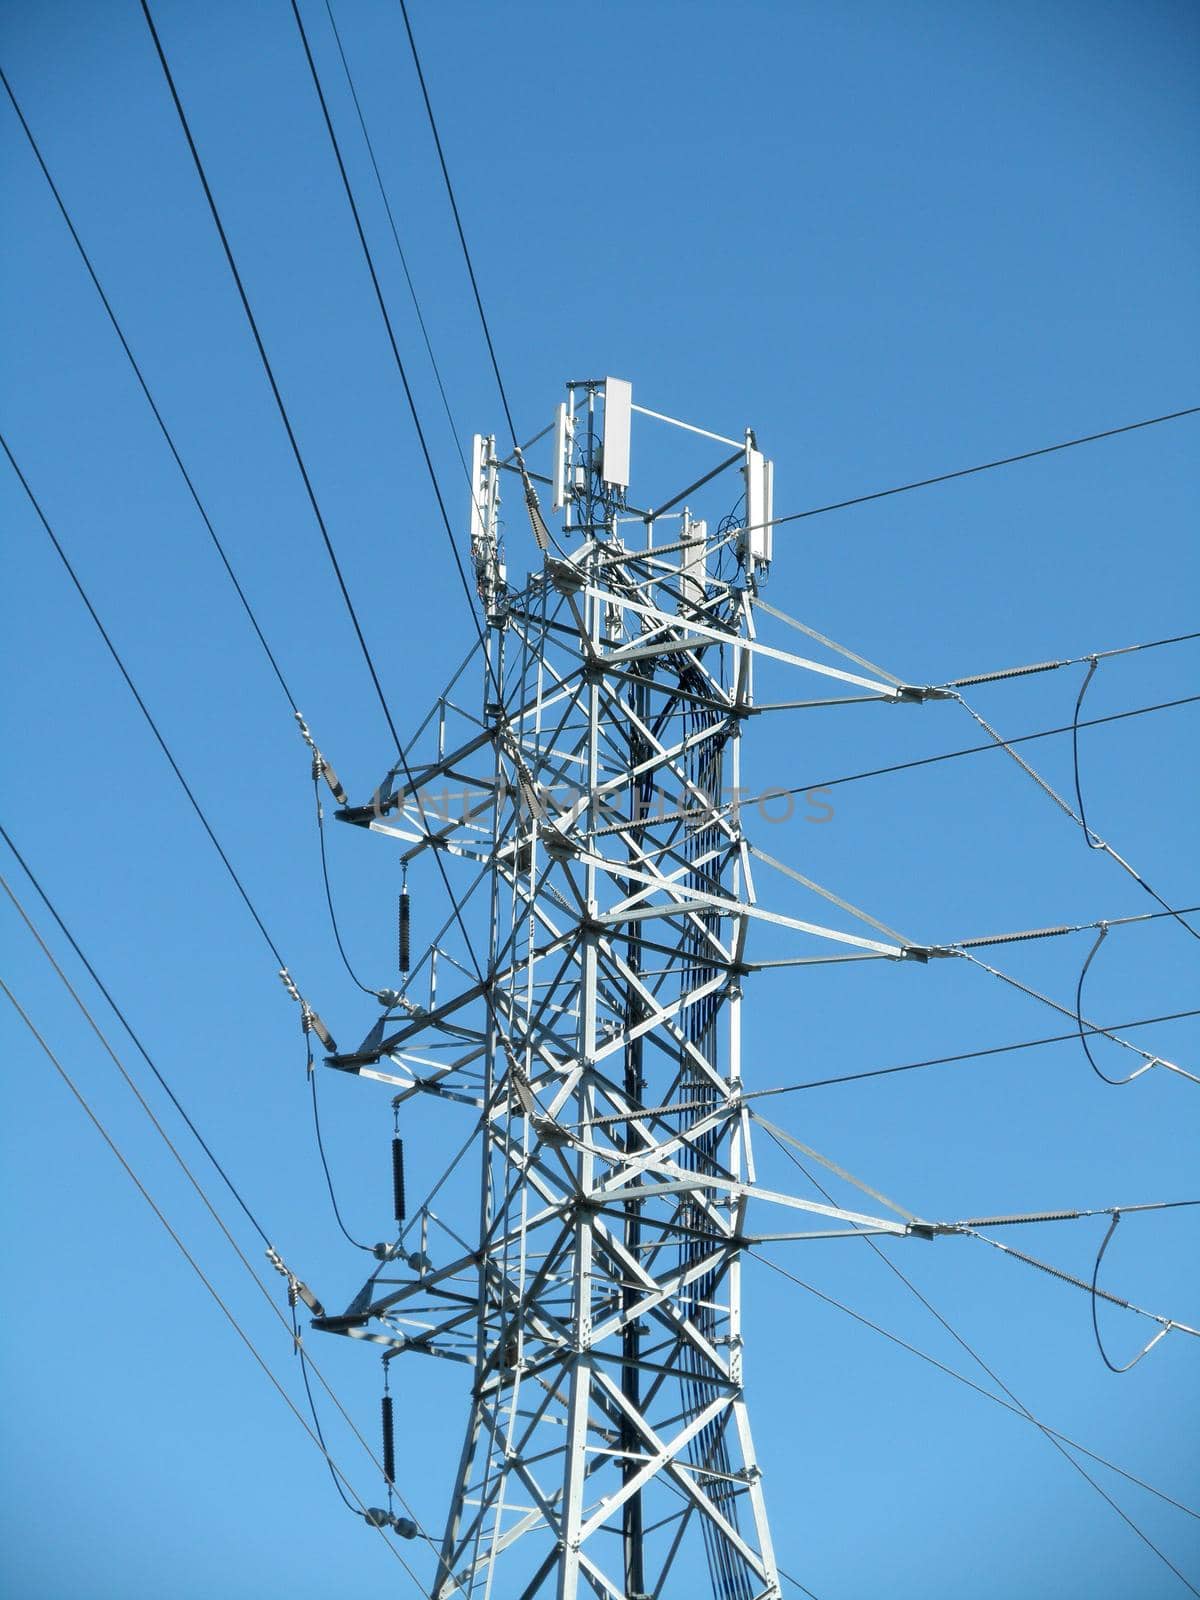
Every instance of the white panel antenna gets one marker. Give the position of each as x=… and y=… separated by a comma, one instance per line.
x=618, y=424
x=563, y=436
x=757, y=539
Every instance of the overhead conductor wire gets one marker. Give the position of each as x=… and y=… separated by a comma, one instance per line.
x=311, y=492
x=270, y=375
x=162, y=1133
x=197, y=1269
x=982, y=466
x=1048, y=1433
x=178, y=459
x=362, y=122
x=484, y=985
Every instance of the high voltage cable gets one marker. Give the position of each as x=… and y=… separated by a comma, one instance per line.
x=387, y=321
x=983, y=466
x=150, y=400
x=1083, y=1028
x=1047, y=1433
x=1094, y=840
x=129, y=1029
x=970, y=1383
x=270, y=374
x=964, y=1055
x=374, y=993
x=143, y=708
x=300, y=459
x=1031, y=668
x=161, y=1131
x=979, y=749
x=919, y=761
x=462, y=238
x=362, y=122
x=194, y=1264
x=199, y=812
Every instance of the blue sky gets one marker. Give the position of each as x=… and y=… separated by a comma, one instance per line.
x=894, y=241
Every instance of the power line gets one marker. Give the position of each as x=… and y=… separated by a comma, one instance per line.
x=924, y=761
x=1033, y=667
x=270, y=374
x=337, y=935
x=150, y=400
x=192, y=1179
x=462, y=237
x=304, y=473
x=1047, y=1433
x=142, y=707
x=194, y=1264
x=1094, y=840
x=969, y=1383
x=963, y=1055
x=387, y=322
x=978, y=749
x=383, y=195
x=125, y=1023
x=983, y=466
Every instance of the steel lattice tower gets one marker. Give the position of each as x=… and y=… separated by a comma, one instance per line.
x=588, y=812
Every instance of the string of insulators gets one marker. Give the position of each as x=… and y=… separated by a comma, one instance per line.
x=405, y=926
x=389, y=1440
x=398, y=1177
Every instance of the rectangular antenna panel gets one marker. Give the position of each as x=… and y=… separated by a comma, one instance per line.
x=693, y=566
x=478, y=457
x=562, y=445
x=618, y=423
x=757, y=540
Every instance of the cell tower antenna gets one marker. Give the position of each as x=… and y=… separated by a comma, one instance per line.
x=589, y=805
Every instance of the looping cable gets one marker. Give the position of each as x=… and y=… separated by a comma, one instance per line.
x=1083, y=1028
x=1146, y=1349
x=357, y=1243
x=337, y=935
x=1094, y=841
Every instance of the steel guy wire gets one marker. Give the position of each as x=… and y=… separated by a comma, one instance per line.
x=195, y=1183
x=195, y=1266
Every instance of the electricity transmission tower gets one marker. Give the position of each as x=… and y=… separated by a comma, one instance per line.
x=580, y=782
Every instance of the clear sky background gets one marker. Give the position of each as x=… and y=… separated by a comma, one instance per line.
x=895, y=240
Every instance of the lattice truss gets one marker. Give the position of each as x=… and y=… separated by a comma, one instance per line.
x=588, y=820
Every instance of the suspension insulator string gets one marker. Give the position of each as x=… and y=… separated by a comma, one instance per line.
x=398, y=1178
x=389, y=1444
x=405, y=924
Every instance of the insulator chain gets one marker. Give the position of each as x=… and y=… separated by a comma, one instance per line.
x=321, y=767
